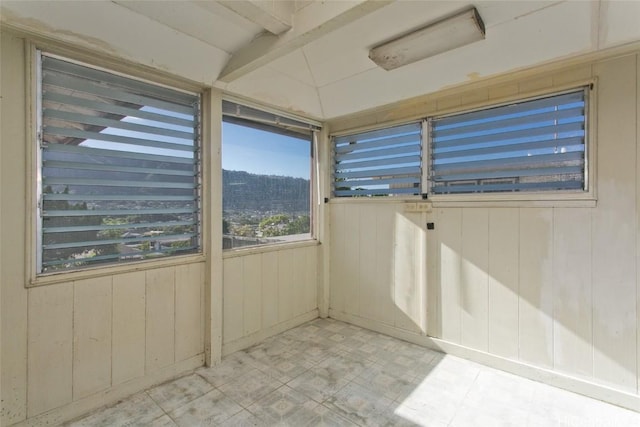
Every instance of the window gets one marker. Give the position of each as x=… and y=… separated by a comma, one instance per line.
x=529, y=146
x=384, y=162
x=267, y=162
x=536, y=145
x=119, y=168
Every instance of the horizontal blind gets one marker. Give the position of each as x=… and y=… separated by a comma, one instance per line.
x=120, y=168
x=382, y=162
x=536, y=145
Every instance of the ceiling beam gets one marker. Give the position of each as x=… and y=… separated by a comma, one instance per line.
x=309, y=24
x=275, y=17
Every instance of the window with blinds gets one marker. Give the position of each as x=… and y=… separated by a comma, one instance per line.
x=531, y=146
x=384, y=162
x=120, y=168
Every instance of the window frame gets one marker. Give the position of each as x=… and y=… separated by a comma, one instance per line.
x=314, y=176
x=532, y=196
x=34, y=154
x=556, y=198
x=399, y=196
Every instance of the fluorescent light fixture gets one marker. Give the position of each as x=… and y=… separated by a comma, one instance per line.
x=447, y=34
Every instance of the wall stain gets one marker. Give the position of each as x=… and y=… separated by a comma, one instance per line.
x=39, y=27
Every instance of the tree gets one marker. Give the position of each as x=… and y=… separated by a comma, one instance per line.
x=243, y=230
x=275, y=225
x=300, y=225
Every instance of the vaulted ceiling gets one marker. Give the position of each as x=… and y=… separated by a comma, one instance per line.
x=311, y=56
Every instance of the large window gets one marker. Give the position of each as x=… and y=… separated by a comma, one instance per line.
x=267, y=163
x=119, y=168
x=535, y=145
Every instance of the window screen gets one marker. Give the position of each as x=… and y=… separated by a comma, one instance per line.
x=119, y=168
x=383, y=162
x=536, y=145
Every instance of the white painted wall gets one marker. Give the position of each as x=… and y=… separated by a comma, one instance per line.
x=267, y=292
x=550, y=285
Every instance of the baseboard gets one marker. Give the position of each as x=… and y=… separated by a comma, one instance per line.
x=262, y=334
x=536, y=373
x=110, y=396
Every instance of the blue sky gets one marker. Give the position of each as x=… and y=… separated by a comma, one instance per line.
x=243, y=149
x=261, y=152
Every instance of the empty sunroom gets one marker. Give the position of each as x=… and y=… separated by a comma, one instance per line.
x=359, y=212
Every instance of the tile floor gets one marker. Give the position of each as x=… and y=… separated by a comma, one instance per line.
x=329, y=373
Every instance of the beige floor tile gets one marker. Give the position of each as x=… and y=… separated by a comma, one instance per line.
x=174, y=394
x=208, y=410
x=329, y=373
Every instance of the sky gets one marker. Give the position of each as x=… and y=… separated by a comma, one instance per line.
x=261, y=152
x=243, y=149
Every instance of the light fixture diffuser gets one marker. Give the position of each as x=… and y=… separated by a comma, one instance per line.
x=447, y=34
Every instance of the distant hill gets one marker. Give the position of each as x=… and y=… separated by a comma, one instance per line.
x=243, y=191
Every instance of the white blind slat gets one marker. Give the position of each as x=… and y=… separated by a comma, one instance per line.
x=382, y=162
x=536, y=145
x=120, y=168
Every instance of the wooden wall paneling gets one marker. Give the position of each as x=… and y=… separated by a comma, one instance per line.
x=129, y=325
x=536, y=286
x=450, y=250
x=299, y=258
x=233, y=313
x=160, y=318
x=338, y=266
x=351, y=280
x=383, y=283
x=311, y=278
x=367, y=258
x=408, y=257
x=14, y=301
x=614, y=226
x=188, y=329
x=285, y=286
x=50, y=348
x=92, y=305
x=638, y=216
x=270, y=299
x=572, y=299
x=504, y=245
x=252, y=292
x=432, y=259
x=474, y=278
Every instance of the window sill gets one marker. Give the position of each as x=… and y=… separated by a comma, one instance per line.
x=385, y=199
x=112, y=270
x=532, y=200
x=274, y=247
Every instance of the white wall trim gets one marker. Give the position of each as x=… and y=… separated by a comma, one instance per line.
x=546, y=376
x=249, y=340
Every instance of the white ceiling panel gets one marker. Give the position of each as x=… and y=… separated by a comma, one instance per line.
x=274, y=88
x=532, y=39
x=619, y=22
x=497, y=12
x=201, y=23
x=342, y=66
x=110, y=28
x=294, y=65
x=325, y=72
